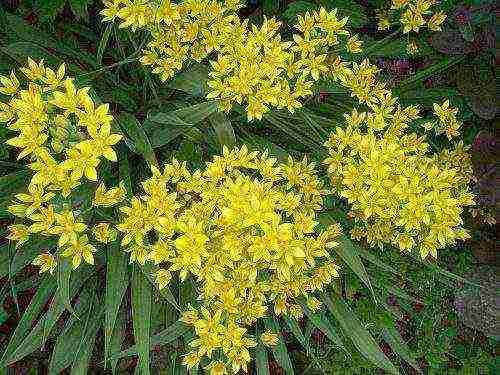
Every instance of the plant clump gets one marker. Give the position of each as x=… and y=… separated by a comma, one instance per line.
x=244, y=228
x=65, y=135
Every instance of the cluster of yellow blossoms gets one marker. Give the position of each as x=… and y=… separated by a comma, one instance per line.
x=253, y=65
x=414, y=15
x=244, y=228
x=399, y=193
x=65, y=135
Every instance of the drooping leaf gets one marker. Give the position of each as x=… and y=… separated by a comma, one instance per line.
x=223, y=129
x=44, y=290
x=166, y=293
x=280, y=350
x=36, y=337
x=164, y=337
x=261, y=360
x=192, y=80
x=136, y=134
x=361, y=338
x=63, y=353
x=117, y=279
x=116, y=341
x=321, y=322
x=82, y=358
x=141, y=315
x=396, y=342
x=103, y=42
x=431, y=70
x=347, y=250
x=163, y=127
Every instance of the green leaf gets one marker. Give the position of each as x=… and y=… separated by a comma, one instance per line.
x=446, y=63
x=11, y=184
x=64, y=271
x=223, y=129
x=321, y=322
x=141, y=317
x=35, y=338
x=396, y=342
x=136, y=134
x=79, y=8
x=359, y=335
x=366, y=254
x=103, y=42
x=297, y=332
x=25, y=254
x=355, y=12
x=166, y=293
x=349, y=254
x=164, y=337
x=115, y=344
x=82, y=358
x=44, y=290
x=271, y=7
x=296, y=8
x=63, y=353
x=117, y=280
x=280, y=350
x=162, y=127
x=192, y=80
x=261, y=360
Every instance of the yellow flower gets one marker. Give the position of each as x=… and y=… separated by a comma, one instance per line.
x=82, y=161
x=104, y=233
x=10, y=85
x=190, y=317
x=46, y=262
x=162, y=278
x=34, y=200
x=383, y=23
x=108, y=198
x=354, y=45
x=412, y=48
x=18, y=233
x=67, y=228
x=43, y=220
x=269, y=339
x=101, y=141
x=243, y=227
x=216, y=368
x=436, y=21
x=79, y=248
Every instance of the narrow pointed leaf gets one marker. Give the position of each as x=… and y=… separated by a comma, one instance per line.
x=321, y=322
x=396, y=342
x=136, y=134
x=63, y=353
x=223, y=129
x=361, y=338
x=141, y=318
x=117, y=279
x=44, y=290
x=35, y=338
x=163, y=127
x=164, y=337
x=82, y=359
x=349, y=254
x=280, y=350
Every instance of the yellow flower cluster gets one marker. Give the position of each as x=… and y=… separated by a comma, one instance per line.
x=398, y=193
x=417, y=14
x=64, y=134
x=244, y=228
x=253, y=66
x=447, y=120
